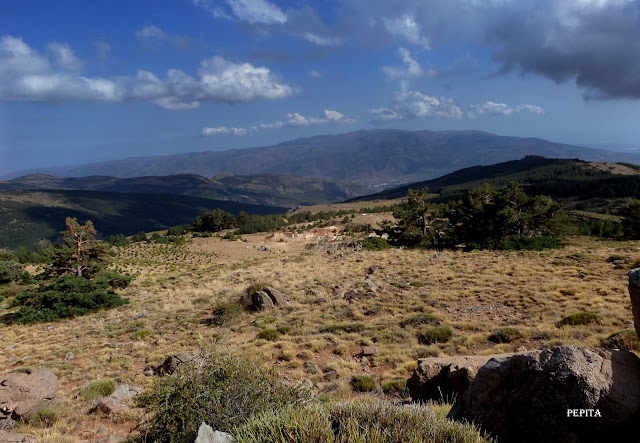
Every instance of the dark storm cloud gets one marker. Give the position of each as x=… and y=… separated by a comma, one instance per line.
x=597, y=43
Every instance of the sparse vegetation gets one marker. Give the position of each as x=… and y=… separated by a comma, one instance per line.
x=505, y=335
x=437, y=334
x=580, y=318
x=363, y=383
x=98, y=388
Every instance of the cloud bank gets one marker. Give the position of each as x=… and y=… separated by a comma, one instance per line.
x=27, y=76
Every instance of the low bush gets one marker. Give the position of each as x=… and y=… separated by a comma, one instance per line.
x=438, y=334
x=363, y=383
x=269, y=334
x=371, y=422
x=420, y=319
x=98, y=388
x=375, y=244
x=45, y=417
x=141, y=334
x=342, y=327
x=69, y=296
x=579, y=318
x=505, y=335
x=218, y=388
x=225, y=312
x=398, y=386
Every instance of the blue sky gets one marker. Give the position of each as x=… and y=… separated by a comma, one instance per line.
x=88, y=81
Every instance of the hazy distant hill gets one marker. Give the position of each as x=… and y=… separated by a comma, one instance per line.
x=564, y=179
x=267, y=189
x=36, y=218
x=370, y=157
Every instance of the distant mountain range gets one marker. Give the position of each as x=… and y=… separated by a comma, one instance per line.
x=267, y=189
x=378, y=157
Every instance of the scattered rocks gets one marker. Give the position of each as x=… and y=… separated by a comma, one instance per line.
x=368, y=351
x=172, y=362
x=330, y=376
x=634, y=293
x=206, y=434
x=14, y=437
x=264, y=248
x=22, y=394
x=311, y=368
x=116, y=403
x=260, y=301
x=526, y=397
x=444, y=378
x=278, y=298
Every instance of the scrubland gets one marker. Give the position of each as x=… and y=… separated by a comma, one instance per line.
x=407, y=304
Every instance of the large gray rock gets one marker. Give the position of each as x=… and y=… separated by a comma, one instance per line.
x=260, y=301
x=528, y=397
x=22, y=394
x=634, y=293
x=117, y=402
x=445, y=378
x=207, y=435
x=278, y=298
x=172, y=363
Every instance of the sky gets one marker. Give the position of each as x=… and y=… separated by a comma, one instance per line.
x=90, y=81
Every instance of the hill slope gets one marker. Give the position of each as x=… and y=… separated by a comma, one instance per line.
x=268, y=189
x=33, y=219
x=558, y=178
x=372, y=157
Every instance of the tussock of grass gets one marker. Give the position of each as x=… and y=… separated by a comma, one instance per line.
x=225, y=312
x=269, y=334
x=343, y=327
x=625, y=340
x=370, y=422
x=580, y=318
x=438, y=334
x=363, y=383
x=398, y=386
x=98, y=388
x=420, y=319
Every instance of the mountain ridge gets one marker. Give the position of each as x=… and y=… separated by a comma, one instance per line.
x=376, y=157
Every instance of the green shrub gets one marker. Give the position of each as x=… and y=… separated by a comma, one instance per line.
x=370, y=422
x=141, y=334
x=398, y=386
x=363, y=383
x=375, y=244
x=218, y=388
x=98, y=388
x=10, y=271
x=225, y=312
x=342, y=327
x=68, y=296
x=44, y=417
x=505, y=335
x=284, y=329
x=269, y=334
x=579, y=318
x=420, y=319
x=437, y=334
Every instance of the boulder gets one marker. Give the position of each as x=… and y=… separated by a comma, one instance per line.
x=445, y=378
x=634, y=293
x=206, y=434
x=172, y=362
x=109, y=406
x=22, y=394
x=278, y=298
x=14, y=437
x=559, y=394
x=126, y=392
x=260, y=301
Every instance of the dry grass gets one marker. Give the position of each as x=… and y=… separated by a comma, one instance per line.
x=176, y=288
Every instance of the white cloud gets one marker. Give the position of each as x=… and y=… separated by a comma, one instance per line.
x=322, y=41
x=409, y=105
x=150, y=32
x=252, y=11
x=315, y=74
x=492, y=108
x=412, y=69
x=406, y=27
x=63, y=57
x=103, y=50
x=293, y=120
x=26, y=76
x=223, y=130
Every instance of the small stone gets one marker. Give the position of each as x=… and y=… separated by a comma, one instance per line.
x=10, y=347
x=70, y=356
x=370, y=350
x=14, y=437
x=311, y=368
x=330, y=376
